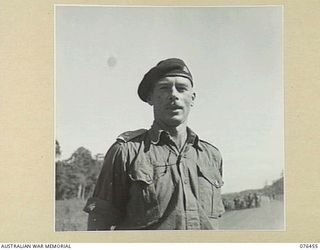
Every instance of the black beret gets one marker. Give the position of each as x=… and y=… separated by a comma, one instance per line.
x=167, y=67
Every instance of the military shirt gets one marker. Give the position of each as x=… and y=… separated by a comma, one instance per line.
x=147, y=183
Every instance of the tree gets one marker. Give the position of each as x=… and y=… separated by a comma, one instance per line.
x=58, y=150
x=76, y=176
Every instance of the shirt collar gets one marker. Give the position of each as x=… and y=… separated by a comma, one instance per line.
x=156, y=133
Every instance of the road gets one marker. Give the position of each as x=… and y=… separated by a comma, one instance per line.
x=269, y=216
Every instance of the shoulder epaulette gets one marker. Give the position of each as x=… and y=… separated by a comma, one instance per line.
x=209, y=144
x=129, y=135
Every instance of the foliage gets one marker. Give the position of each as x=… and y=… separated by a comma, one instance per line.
x=277, y=187
x=58, y=149
x=76, y=176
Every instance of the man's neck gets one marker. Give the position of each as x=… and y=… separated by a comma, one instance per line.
x=177, y=133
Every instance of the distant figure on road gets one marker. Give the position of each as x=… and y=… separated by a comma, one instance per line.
x=242, y=203
x=249, y=200
x=236, y=202
x=256, y=200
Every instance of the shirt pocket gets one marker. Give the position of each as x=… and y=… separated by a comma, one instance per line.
x=143, y=207
x=210, y=183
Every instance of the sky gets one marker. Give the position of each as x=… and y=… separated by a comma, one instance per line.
x=233, y=53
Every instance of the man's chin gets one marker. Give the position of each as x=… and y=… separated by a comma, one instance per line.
x=174, y=122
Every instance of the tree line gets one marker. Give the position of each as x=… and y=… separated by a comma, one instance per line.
x=77, y=175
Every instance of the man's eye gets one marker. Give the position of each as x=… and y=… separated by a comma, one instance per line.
x=163, y=87
x=181, y=89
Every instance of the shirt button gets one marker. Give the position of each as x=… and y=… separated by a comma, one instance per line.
x=185, y=181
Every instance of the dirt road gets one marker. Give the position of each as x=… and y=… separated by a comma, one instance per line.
x=270, y=216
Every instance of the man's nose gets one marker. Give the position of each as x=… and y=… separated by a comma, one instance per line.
x=173, y=93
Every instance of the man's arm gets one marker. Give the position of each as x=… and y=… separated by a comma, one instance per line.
x=107, y=206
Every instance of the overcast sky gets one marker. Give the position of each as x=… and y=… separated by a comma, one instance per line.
x=233, y=53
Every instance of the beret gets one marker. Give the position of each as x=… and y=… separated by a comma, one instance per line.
x=167, y=67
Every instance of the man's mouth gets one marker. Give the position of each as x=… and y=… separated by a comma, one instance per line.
x=174, y=107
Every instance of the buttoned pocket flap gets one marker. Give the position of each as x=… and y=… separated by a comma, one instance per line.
x=142, y=172
x=212, y=175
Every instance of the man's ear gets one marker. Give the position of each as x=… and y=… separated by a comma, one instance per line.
x=193, y=97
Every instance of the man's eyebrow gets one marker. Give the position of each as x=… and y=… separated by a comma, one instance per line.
x=182, y=83
x=164, y=82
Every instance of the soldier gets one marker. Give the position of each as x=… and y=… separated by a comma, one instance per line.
x=256, y=200
x=165, y=177
x=236, y=202
x=249, y=200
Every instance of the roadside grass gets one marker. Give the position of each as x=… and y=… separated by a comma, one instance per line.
x=69, y=215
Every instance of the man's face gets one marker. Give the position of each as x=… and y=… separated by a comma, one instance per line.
x=171, y=98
